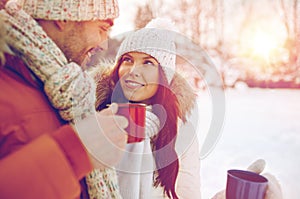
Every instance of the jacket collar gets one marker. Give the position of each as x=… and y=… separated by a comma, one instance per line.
x=17, y=68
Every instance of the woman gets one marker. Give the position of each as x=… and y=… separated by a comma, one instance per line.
x=145, y=73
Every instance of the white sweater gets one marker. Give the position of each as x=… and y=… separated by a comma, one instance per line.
x=140, y=186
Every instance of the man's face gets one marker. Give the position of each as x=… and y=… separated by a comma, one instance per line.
x=84, y=38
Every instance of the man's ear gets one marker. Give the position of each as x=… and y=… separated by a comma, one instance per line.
x=61, y=25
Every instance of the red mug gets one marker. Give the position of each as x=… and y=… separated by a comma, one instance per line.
x=136, y=115
x=245, y=185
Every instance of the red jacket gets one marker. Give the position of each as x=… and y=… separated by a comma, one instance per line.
x=40, y=156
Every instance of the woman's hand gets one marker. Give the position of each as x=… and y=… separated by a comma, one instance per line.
x=274, y=188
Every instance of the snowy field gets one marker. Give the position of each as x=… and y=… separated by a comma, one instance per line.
x=259, y=123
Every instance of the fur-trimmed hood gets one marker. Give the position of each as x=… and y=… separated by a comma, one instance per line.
x=184, y=92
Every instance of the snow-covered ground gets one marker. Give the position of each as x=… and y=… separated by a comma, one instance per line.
x=259, y=123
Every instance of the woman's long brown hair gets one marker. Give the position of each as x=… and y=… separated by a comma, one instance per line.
x=166, y=160
x=163, y=145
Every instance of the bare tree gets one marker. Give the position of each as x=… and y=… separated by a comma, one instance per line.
x=199, y=20
x=297, y=30
x=205, y=22
x=143, y=16
x=291, y=20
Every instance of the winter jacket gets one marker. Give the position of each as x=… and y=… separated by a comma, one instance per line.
x=187, y=147
x=40, y=156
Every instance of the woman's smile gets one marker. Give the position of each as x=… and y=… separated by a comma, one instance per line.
x=133, y=84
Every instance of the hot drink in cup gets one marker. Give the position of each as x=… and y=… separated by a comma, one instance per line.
x=136, y=115
x=245, y=185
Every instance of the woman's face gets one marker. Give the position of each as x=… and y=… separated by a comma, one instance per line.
x=138, y=76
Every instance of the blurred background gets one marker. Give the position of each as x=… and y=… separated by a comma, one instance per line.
x=255, y=47
x=250, y=41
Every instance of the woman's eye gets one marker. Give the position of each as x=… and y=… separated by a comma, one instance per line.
x=127, y=59
x=148, y=62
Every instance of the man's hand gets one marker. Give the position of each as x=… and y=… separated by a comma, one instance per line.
x=274, y=188
x=104, y=136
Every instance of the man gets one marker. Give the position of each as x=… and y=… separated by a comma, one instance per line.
x=46, y=99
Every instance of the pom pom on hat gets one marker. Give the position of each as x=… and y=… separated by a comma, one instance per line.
x=157, y=40
x=72, y=10
x=162, y=23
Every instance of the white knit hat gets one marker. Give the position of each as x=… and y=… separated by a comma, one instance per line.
x=157, y=40
x=72, y=10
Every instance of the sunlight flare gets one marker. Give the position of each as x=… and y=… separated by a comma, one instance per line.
x=263, y=44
